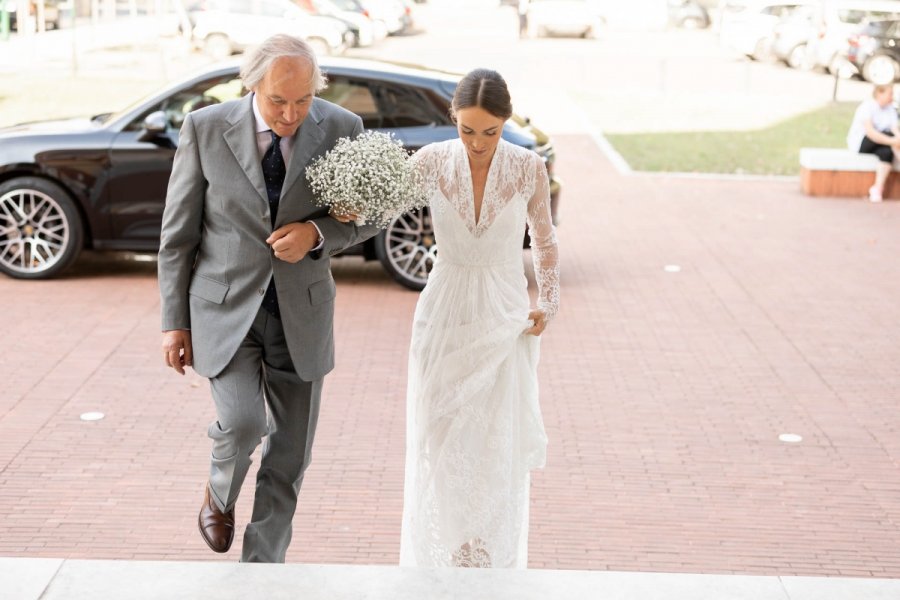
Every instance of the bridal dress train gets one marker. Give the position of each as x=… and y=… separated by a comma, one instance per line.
x=474, y=426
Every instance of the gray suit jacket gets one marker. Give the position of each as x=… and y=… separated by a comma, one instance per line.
x=214, y=263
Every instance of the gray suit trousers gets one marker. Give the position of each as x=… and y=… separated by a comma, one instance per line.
x=261, y=376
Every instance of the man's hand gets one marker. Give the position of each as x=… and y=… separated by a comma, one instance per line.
x=341, y=216
x=177, y=349
x=540, y=322
x=293, y=241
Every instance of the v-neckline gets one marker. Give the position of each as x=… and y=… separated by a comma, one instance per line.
x=476, y=220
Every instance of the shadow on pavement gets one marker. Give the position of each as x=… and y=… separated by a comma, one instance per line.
x=348, y=270
x=128, y=264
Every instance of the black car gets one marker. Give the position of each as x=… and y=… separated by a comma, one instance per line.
x=875, y=51
x=100, y=183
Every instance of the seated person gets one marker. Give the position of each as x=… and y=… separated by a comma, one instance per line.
x=874, y=131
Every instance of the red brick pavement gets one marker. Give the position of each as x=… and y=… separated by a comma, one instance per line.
x=663, y=393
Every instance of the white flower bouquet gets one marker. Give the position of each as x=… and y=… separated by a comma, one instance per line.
x=370, y=176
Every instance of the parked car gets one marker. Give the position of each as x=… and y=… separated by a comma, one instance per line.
x=791, y=42
x=365, y=30
x=564, y=17
x=100, y=183
x=838, y=20
x=395, y=14
x=53, y=10
x=749, y=27
x=688, y=14
x=875, y=51
x=223, y=27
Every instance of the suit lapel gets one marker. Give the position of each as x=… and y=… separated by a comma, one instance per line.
x=305, y=146
x=241, y=139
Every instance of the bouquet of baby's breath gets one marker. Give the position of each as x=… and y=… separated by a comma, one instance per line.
x=370, y=176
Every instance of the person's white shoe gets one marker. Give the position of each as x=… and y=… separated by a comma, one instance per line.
x=874, y=195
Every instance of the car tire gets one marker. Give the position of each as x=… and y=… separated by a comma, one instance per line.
x=835, y=64
x=797, y=58
x=217, y=46
x=406, y=248
x=692, y=23
x=319, y=45
x=762, y=52
x=878, y=69
x=41, y=230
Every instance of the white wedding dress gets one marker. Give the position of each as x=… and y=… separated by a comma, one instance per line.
x=474, y=426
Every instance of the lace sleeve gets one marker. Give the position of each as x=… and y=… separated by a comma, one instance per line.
x=544, y=250
x=427, y=162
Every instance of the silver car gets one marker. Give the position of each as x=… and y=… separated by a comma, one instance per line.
x=223, y=27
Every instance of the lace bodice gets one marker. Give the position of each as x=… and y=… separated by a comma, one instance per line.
x=516, y=176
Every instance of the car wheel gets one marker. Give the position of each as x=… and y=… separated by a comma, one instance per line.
x=763, y=50
x=406, y=248
x=217, y=46
x=797, y=59
x=836, y=63
x=40, y=229
x=881, y=69
x=319, y=46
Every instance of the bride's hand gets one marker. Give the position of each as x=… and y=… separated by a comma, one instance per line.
x=342, y=217
x=540, y=322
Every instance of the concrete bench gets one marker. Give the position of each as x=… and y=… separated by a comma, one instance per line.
x=838, y=172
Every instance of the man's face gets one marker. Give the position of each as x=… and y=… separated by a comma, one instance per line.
x=285, y=94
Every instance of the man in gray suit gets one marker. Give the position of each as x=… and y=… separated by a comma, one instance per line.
x=246, y=285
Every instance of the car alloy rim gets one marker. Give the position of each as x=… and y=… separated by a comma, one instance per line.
x=34, y=231
x=881, y=70
x=410, y=245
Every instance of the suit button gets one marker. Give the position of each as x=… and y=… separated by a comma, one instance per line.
x=261, y=291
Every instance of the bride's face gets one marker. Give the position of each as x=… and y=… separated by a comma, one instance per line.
x=480, y=132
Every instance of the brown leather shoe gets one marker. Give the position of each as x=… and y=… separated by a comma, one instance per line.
x=216, y=527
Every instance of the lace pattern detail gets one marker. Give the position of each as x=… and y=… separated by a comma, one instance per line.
x=474, y=429
x=516, y=174
x=472, y=554
x=544, y=250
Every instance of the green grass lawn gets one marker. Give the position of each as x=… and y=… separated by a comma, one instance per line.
x=771, y=151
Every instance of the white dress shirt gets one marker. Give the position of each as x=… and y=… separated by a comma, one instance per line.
x=264, y=140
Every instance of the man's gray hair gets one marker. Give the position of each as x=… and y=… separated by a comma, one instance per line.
x=280, y=45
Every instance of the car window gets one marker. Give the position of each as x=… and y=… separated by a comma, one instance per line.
x=880, y=16
x=894, y=30
x=271, y=9
x=243, y=7
x=383, y=104
x=356, y=97
x=347, y=5
x=858, y=17
x=179, y=104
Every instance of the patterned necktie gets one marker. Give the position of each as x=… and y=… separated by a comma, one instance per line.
x=273, y=172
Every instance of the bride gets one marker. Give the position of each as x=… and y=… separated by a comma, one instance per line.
x=474, y=427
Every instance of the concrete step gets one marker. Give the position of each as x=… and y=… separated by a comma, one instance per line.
x=59, y=579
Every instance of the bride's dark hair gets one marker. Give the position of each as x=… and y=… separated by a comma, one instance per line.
x=485, y=89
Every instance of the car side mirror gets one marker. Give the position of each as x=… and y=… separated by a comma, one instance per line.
x=155, y=125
